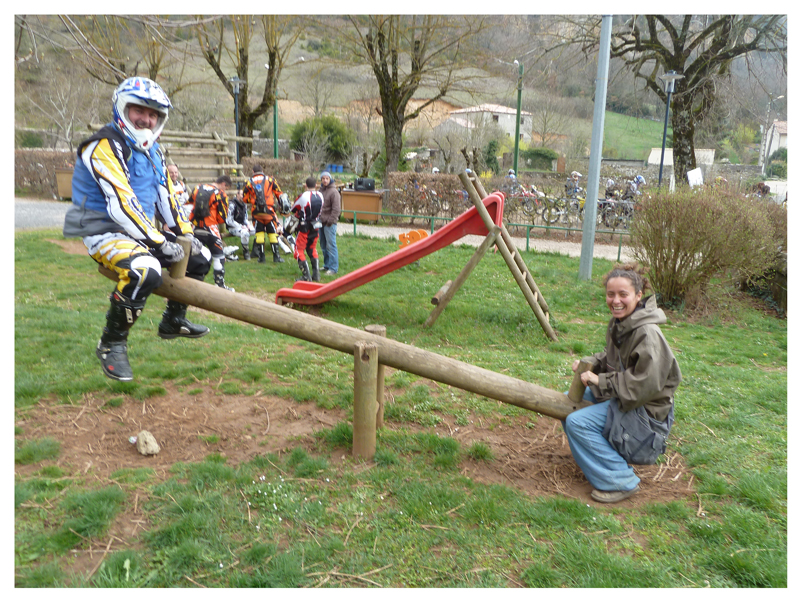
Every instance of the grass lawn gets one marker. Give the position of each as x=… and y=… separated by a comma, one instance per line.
x=629, y=137
x=255, y=485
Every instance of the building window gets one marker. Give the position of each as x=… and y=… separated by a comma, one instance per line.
x=522, y=120
x=495, y=118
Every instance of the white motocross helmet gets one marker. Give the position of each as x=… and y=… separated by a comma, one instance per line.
x=143, y=92
x=639, y=180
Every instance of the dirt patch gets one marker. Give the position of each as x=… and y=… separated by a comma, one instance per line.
x=95, y=441
x=71, y=246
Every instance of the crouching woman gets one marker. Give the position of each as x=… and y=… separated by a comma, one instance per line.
x=631, y=385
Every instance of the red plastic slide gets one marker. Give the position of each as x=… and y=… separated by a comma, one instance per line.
x=469, y=223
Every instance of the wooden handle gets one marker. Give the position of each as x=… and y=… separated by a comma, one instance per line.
x=576, y=389
x=178, y=270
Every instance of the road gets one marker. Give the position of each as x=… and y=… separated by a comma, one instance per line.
x=40, y=214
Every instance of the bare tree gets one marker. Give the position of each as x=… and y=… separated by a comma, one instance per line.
x=550, y=117
x=407, y=52
x=318, y=90
x=701, y=48
x=65, y=102
x=226, y=53
x=315, y=147
x=112, y=48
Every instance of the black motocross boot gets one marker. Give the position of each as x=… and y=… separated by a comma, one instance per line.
x=261, y=256
x=219, y=279
x=303, y=270
x=175, y=324
x=276, y=254
x=314, y=268
x=112, y=349
x=245, y=252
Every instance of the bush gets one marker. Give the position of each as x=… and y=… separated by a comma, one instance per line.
x=688, y=237
x=339, y=137
x=540, y=158
x=777, y=164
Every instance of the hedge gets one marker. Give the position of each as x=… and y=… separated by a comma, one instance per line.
x=35, y=170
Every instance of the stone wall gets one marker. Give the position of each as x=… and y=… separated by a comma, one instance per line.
x=627, y=169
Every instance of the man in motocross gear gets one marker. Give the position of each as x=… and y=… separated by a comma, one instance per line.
x=119, y=186
x=261, y=191
x=632, y=189
x=238, y=222
x=207, y=225
x=306, y=209
x=573, y=188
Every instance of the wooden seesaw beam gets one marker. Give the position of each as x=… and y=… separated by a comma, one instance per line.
x=343, y=338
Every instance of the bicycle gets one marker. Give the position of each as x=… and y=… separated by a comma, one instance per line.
x=565, y=210
x=531, y=201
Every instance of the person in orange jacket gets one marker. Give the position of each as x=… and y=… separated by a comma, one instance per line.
x=262, y=191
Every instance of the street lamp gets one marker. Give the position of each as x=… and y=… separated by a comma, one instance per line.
x=669, y=81
x=236, y=83
x=519, y=108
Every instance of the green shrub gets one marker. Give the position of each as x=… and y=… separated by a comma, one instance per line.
x=777, y=164
x=540, y=158
x=687, y=237
x=339, y=137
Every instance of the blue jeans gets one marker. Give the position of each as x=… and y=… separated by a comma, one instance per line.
x=605, y=469
x=330, y=254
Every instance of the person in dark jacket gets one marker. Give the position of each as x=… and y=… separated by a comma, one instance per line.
x=632, y=386
x=331, y=209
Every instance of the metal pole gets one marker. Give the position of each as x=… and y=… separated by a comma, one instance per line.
x=519, y=109
x=275, y=130
x=596, y=152
x=664, y=137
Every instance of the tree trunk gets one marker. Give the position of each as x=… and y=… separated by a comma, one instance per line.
x=393, y=130
x=683, y=158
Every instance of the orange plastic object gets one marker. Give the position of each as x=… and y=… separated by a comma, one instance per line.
x=468, y=223
x=406, y=239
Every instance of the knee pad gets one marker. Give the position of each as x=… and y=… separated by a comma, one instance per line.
x=145, y=276
x=259, y=237
x=217, y=264
x=245, y=237
x=273, y=238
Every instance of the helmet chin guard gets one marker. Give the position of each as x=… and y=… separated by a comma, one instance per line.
x=143, y=92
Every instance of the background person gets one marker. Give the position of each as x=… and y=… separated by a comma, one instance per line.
x=209, y=211
x=632, y=385
x=306, y=210
x=238, y=222
x=178, y=186
x=261, y=191
x=119, y=185
x=331, y=209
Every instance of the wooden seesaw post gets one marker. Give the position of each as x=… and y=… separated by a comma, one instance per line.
x=397, y=355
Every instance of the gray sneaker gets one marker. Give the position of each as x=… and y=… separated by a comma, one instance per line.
x=612, y=497
x=329, y=272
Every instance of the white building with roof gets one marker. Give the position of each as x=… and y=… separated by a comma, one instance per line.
x=775, y=137
x=503, y=116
